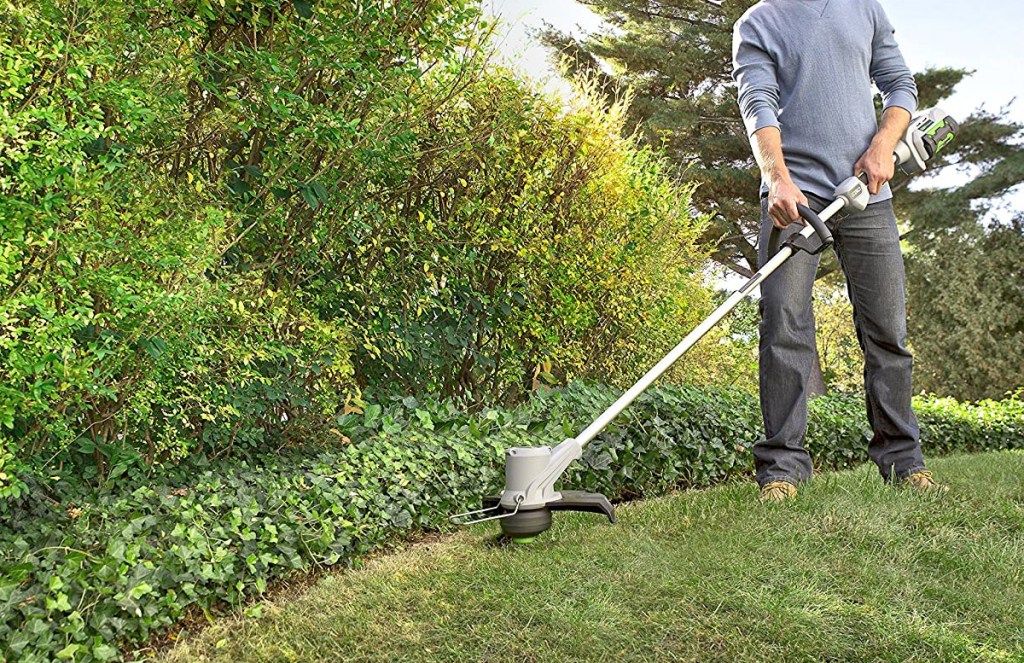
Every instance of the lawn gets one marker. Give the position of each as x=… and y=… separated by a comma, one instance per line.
x=852, y=570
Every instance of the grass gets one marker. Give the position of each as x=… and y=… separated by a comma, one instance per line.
x=852, y=570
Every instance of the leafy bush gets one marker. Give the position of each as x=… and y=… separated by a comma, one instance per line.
x=86, y=573
x=842, y=360
x=965, y=301
x=171, y=175
x=223, y=220
x=527, y=244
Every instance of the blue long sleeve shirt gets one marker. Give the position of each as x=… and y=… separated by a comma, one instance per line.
x=807, y=67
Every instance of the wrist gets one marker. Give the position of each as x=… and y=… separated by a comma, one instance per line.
x=884, y=142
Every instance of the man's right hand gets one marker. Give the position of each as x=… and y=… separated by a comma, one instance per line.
x=783, y=197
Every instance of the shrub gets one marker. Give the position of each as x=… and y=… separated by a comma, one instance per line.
x=209, y=208
x=528, y=244
x=86, y=573
x=171, y=174
x=965, y=302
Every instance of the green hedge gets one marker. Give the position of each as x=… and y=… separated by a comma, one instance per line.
x=220, y=221
x=89, y=575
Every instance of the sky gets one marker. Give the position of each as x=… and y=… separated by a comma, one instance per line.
x=980, y=35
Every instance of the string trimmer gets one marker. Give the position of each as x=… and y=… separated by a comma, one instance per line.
x=524, y=507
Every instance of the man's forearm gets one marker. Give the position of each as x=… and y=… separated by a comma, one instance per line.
x=783, y=195
x=767, y=146
x=895, y=121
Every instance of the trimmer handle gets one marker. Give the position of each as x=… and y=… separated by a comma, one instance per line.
x=820, y=229
x=940, y=134
x=927, y=134
x=800, y=241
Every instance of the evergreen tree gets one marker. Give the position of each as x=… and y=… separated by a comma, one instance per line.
x=967, y=312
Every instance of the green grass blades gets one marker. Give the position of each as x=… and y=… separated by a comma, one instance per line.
x=850, y=570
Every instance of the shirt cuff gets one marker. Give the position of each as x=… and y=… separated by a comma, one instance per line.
x=902, y=99
x=759, y=120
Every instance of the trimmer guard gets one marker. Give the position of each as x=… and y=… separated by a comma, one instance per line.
x=528, y=523
x=572, y=500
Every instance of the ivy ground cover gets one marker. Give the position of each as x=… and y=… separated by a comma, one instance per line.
x=95, y=573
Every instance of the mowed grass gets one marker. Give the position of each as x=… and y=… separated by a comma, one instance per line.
x=850, y=571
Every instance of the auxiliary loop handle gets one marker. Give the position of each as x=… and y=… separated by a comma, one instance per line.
x=802, y=241
x=819, y=226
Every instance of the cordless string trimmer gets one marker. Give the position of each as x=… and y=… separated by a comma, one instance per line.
x=524, y=507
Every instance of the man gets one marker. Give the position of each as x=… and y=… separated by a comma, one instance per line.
x=804, y=71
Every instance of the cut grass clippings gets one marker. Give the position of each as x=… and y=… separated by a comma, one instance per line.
x=851, y=570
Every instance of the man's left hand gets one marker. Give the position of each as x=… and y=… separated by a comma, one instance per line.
x=877, y=163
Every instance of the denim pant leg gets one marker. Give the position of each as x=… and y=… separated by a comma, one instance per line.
x=786, y=349
x=868, y=246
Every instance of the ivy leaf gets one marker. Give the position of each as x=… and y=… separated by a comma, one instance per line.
x=140, y=590
x=371, y=415
x=320, y=191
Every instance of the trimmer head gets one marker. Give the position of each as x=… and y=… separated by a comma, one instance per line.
x=528, y=523
x=523, y=508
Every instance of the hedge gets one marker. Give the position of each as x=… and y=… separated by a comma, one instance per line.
x=220, y=222
x=90, y=574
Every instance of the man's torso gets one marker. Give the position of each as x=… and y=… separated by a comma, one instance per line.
x=822, y=50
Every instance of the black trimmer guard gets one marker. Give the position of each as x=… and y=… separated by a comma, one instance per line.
x=528, y=523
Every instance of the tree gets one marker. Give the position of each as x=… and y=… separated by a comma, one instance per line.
x=967, y=311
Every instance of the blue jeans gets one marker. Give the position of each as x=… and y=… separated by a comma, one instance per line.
x=868, y=247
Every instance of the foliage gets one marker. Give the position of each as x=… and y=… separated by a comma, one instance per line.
x=527, y=244
x=967, y=311
x=221, y=222
x=842, y=361
x=162, y=167
x=85, y=572
x=727, y=357
x=675, y=59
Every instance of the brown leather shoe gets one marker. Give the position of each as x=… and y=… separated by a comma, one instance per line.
x=925, y=482
x=777, y=491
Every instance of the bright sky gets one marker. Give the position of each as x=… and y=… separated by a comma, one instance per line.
x=983, y=35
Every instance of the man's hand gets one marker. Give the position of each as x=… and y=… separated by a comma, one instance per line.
x=877, y=162
x=783, y=197
x=878, y=165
